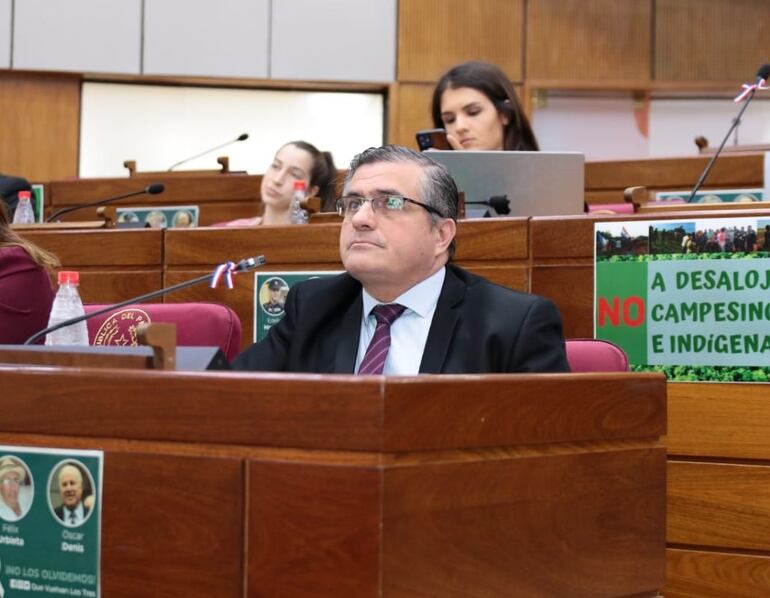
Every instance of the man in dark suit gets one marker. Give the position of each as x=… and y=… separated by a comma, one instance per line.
x=396, y=241
x=74, y=510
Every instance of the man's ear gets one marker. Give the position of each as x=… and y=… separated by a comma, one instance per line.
x=447, y=229
x=312, y=191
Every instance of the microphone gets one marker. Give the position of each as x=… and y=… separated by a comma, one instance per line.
x=152, y=189
x=498, y=202
x=241, y=137
x=763, y=74
x=246, y=264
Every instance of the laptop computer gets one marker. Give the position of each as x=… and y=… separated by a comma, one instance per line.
x=536, y=183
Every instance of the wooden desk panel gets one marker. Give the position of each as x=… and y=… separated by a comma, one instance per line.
x=695, y=574
x=220, y=198
x=605, y=180
x=724, y=421
x=114, y=265
x=719, y=505
x=323, y=486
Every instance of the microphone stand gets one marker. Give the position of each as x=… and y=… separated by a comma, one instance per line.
x=246, y=264
x=242, y=137
x=101, y=202
x=707, y=170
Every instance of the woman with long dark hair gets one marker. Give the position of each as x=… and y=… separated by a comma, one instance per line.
x=477, y=105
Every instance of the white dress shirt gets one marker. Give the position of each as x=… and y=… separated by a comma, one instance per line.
x=409, y=333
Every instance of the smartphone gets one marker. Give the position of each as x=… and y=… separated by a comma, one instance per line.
x=432, y=139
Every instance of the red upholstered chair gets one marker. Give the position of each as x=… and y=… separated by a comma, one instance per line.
x=592, y=355
x=197, y=325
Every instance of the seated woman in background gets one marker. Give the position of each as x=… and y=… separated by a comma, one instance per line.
x=26, y=292
x=294, y=161
x=476, y=103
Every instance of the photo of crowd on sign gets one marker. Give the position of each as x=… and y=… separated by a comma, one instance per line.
x=621, y=239
x=698, y=289
x=704, y=239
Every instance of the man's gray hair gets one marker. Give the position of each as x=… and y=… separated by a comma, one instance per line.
x=437, y=187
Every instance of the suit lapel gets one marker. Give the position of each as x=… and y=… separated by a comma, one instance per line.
x=348, y=337
x=442, y=328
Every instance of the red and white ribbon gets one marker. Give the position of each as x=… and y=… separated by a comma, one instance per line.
x=747, y=89
x=225, y=270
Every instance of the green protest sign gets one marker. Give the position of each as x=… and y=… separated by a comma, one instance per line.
x=50, y=520
x=689, y=298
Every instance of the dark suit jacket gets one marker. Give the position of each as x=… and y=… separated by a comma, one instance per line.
x=60, y=512
x=478, y=327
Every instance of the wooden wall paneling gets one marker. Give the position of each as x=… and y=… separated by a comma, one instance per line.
x=434, y=35
x=40, y=122
x=589, y=39
x=710, y=40
x=411, y=105
x=721, y=505
x=701, y=574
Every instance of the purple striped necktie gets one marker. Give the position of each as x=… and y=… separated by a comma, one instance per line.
x=377, y=351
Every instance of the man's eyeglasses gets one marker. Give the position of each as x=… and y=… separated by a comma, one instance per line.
x=384, y=204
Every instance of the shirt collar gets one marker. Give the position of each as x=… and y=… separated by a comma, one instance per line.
x=420, y=299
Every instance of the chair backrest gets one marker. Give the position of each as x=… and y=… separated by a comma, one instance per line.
x=197, y=324
x=592, y=355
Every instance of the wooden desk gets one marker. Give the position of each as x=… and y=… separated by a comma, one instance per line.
x=220, y=198
x=605, y=180
x=114, y=264
x=266, y=485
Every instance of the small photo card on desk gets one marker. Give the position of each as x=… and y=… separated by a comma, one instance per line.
x=160, y=216
x=270, y=291
x=712, y=196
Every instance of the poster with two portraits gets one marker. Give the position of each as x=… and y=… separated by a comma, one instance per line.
x=50, y=522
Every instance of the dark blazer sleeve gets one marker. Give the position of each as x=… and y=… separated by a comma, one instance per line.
x=539, y=346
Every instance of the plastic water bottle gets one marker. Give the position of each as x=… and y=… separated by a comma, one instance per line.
x=66, y=305
x=24, y=213
x=297, y=215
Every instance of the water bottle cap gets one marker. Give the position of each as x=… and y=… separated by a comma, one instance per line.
x=69, y=277
x=24, y=194
x=300, y=185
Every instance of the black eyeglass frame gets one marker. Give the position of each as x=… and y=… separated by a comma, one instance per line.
x=342, y=208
